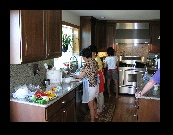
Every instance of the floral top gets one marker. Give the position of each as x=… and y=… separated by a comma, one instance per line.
x=91, y=68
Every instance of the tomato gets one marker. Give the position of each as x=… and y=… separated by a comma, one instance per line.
x=43, y=94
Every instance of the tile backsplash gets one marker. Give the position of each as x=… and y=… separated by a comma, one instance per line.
x=129, y=50
x=132, y=50
x=21, y=74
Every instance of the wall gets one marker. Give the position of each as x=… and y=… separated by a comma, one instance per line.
x=70, y=18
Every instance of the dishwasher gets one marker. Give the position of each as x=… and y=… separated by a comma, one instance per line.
x=81, y=108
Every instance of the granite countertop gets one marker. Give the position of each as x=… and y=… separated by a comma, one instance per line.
x=66, y=88
x=151, y=94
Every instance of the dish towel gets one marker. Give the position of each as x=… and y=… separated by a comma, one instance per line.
x=98, y=79
x=85, y=96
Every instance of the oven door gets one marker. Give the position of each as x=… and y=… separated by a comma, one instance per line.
x=133, y=76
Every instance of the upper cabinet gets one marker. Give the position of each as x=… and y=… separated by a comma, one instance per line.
x=154, y=47
x=110, y=35
x=87, y=31
x=105, y=35
x=34, y=35
x=54, y=33
x=101, y=35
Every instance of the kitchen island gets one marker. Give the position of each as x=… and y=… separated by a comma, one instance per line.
x=59, y=109
x=148, y=106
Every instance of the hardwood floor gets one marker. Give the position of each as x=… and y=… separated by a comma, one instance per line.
x=124, y=107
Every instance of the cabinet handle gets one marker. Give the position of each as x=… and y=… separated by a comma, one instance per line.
x=63, y=102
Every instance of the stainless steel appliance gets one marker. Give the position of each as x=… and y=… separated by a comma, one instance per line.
x=132, y=33
x=131, y=70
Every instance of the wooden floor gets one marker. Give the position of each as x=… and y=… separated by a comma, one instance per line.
x=124, y=107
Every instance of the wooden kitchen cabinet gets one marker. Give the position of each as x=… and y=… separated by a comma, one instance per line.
x=54, y=33
x=34, y=35
x=147, y=110
x=154, y=47
x=110, y=35
x=66, y=114
x=63, y=110
x=101, y=35
x=87, y=31
x=105, y=35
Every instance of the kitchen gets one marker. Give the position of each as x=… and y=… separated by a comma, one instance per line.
x=23, y=73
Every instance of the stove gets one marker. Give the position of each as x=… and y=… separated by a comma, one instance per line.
x=131, y=69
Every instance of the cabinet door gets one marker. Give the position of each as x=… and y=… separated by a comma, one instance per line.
x=70, y=112
x=66, y=114
x=110, y=36
x=101, y=36
x=87, y=31
x=33, y=36
x=58, y=117
x=155, y=35
x=53, y=33
x=149, y=110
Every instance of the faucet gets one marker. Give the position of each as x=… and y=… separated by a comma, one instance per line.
x=73, y=58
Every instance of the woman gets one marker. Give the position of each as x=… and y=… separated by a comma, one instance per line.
x=100, y=97
x=111, y=62
x=89, y=74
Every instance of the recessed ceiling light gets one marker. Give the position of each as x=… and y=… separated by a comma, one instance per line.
x=102, y=17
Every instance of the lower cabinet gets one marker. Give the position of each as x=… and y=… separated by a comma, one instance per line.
x=66, y=114
x=147, y=110
x=63, y=110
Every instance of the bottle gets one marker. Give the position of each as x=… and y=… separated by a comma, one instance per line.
x=155, y=62
x=147, y=64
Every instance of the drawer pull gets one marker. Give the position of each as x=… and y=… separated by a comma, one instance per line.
x=63, y=102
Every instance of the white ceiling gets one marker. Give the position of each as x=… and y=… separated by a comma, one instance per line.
x=120, y=14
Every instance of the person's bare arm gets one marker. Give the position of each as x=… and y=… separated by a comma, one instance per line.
x=80, y=76
x=148, y=86
x=105, y=65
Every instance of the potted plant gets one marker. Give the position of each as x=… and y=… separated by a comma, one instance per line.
x=66, y=41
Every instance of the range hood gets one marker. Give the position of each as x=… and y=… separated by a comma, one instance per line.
x=132, y=33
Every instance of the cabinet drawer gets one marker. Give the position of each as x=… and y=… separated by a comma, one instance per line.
x=66, y=114
x=55, y=107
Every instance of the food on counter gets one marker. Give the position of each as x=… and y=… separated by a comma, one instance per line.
x=42, y=97
x=54, y=89
x=36, y=99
